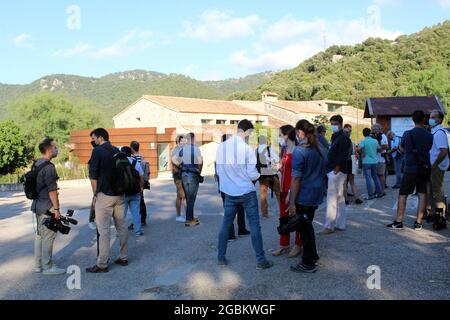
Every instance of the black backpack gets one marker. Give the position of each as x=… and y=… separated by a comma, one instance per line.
x=30, y=180
x=125, y=178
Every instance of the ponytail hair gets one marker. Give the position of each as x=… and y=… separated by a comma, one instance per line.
x=310, y=133
x=289, y=131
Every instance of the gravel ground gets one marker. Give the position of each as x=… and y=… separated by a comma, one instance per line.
x=174, y=262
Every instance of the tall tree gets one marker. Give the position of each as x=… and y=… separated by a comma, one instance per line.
x=14, y=150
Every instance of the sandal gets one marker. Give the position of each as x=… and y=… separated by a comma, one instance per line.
x=280, y=251
x=295, y=252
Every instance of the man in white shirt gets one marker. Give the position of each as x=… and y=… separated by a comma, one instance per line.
x=439, y=164
x=236, y=168
x=382, y=139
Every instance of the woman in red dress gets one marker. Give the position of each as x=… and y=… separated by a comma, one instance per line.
x=288, y=143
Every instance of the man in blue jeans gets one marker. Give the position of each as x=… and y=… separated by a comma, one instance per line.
x=236, y=168
x=368, y=149
x=191, y=162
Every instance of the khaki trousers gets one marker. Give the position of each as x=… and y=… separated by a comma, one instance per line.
x=264, y=186
x=43, y=244
x=107, y=207
x=436, y=194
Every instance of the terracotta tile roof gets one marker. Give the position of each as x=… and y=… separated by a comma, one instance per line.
x=190, y=105
x=401, y=106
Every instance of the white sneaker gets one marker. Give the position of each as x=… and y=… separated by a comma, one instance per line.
x=92, y=225
x=181, y=219
x=37, y=270
x=54, y=271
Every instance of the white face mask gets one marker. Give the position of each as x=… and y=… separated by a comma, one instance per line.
x=282, y=141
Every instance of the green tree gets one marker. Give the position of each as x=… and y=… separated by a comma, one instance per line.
x=430, y=82
x=52, y=115
x=14, y=152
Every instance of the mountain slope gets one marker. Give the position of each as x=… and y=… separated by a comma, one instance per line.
x=112, y=93
x=385, y=67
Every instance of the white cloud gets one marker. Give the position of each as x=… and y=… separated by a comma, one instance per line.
x=23, y=41
x=289, y=41
x=79, y=49
x=132, y=42
x=445, y=3
x=218, y=25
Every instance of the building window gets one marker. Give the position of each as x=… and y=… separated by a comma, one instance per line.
x=206, y=121
x=332, y=108
x=259, y=122
x=221, y=122
x=234, y=122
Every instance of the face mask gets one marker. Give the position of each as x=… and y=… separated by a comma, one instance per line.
x=334, y=129
x=281, y=141
x=432, y=122
x=93, y=144
x=56, y=152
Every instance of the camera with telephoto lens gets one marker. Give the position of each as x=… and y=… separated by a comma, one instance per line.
x=62, y=225
x=291, y=224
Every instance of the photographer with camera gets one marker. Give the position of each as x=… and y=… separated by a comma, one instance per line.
x=307, y=191
x=46, y=201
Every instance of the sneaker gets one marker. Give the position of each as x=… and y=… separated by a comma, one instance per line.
x=369, y=198
x=418, y=226
x=244, y=233
x=222, y=263
x=181, y=219
x=382, y=195
x=121, y=262
x=359, y=201
x=92, y=225
x=139, y=234
x=232, y=239
x=302, y=268
x=131, y=227
x=144, y=224
x=396, y=225
x=96, y=269
x=37, y=270
x=326, y=231
x=53, y=271
x=347, y=202
x=264, y=265
x=192, y=223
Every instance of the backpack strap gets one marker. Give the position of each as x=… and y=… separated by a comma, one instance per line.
x=38, y=169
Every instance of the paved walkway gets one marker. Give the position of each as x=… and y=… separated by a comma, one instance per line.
x=174, y=262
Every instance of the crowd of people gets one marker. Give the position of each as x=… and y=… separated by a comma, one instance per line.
x=300, y=173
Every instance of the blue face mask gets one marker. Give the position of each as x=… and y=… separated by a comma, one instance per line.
x=334, y=129
x=432, y=122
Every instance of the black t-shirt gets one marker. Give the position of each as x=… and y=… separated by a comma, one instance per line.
x=422, y=140
x=101, y=168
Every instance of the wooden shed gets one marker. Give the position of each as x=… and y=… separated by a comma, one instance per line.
x=394, y=113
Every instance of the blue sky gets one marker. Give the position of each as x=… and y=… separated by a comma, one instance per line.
x=207, y=40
